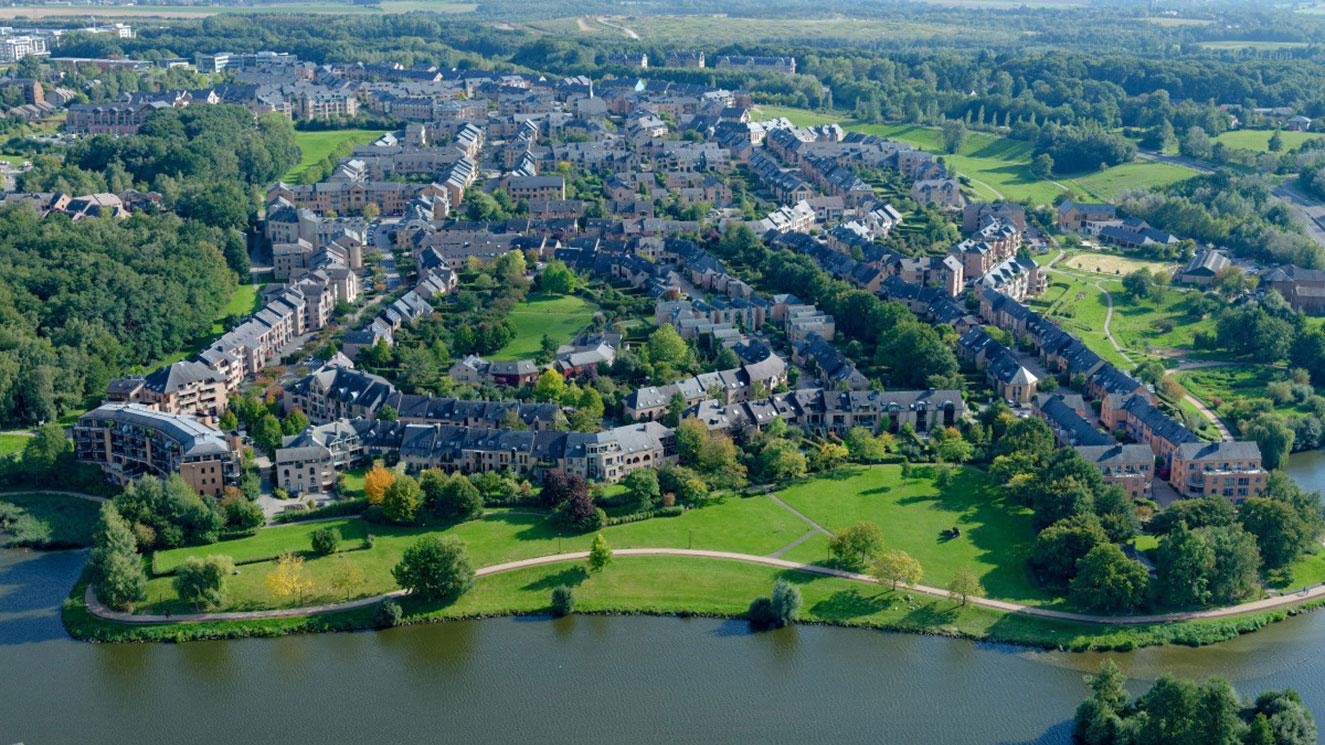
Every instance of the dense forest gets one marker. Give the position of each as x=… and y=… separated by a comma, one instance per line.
x=80, y=302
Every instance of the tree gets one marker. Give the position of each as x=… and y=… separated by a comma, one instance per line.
x=376, y=482
x=1060, y=546
x=287, y=579
x=325, y=541
x=1042, y=166
x=563, y=601
x=557, y=278
x=855, y=547
x=600, y=554
x=830, y=456
x=1280, y=533
x=201, y=582
x=116, y=569
x=785, y=603
x=346, y=578
x=1274, y=437
x=435, y=569
x=401, y=502
x=551, y=386
x=1097, y=718
x=965, y=584
x=244, y=514
x=951, y=447
x=294, y=423
x=954, y=135
x=1139, y=284
x=863, y=446
x=453, y=497
x=579, y=512
x=779, y=460
x=1289, y=721
x=896, y=567
x=1276, y=142
x=267, y=435
x=1237, y=568
x=642, y=486
x=691, y=434
x=1107, y=580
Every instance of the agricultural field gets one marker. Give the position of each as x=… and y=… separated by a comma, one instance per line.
x=315, y=146
x=721, y=29
x=1259, y=139
x=202, y=11
x=558, y=316
x=1259, y=46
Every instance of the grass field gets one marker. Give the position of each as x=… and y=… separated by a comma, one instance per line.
x=1080, y=308
x=799, y=117
x=315, y=146
x=558, y=316
x=1260, y=46
x=46, y=521
x=1160, y=323
x=995, y=536
x=242, y=302
x=10, y=444
x=1259, y=139
x=1140, y=174
x=1112, y=264
x=722, y=29
x=200, y=11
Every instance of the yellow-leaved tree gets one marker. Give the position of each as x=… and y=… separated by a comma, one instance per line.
x=376, y=482
x=288, y=580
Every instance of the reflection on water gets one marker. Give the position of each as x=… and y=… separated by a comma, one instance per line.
x=587, y=678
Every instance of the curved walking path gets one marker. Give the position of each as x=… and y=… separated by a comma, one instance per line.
x=101, y=611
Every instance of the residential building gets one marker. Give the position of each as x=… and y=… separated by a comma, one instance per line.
x=1228, y=469
x=131, y=440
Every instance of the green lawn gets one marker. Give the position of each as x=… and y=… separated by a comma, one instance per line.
x=10, y=444
x=754, y=525
x=558, y=316
x=315, y=146
x=46, y=520
x=1080, y=308
x=799, y=117
x=245, y=300
x=1107, y=184
x=1259, y=139
x=996, y=536
x=1162, y=322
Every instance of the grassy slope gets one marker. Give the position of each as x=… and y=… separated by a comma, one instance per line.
x=1080, y=308
x=1214, y=385
x=314, y=146
x=560, y=317
x=995, y=541
x=47, y=520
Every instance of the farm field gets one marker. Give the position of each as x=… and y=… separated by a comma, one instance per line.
x=201, y=11
x=720, y=29
x=315, y=146
x=560, y=317
x=1263, y=46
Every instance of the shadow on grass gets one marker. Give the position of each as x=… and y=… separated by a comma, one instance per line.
x=847, y=604
x=571, y=577
x=932, y=613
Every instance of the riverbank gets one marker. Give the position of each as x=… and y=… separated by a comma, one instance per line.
x=660, y=585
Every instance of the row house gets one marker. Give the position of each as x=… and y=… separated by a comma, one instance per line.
x=350, y=197
x=729, y=386
x=1304, y=289
x=833, y=369
x=187, y=388
x=1129, y=467
x=822, y=412
x=1231, y=470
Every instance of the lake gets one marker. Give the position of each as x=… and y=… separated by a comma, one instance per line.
x=579, y=679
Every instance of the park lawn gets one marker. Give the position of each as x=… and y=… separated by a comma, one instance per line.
x=243, y=301
x=996, y=536
x=561, y=317
x=754, y=525
x=315, y=146
x=798, y=117
x=1307, y=571
x=1144, y=325
x=10, y=444
x=1259, y=139
x=46, y=520
x=1080, y=308
x=1107, y=184
x=1112, y=264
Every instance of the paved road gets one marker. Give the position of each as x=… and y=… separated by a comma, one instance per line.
x=1281, y=601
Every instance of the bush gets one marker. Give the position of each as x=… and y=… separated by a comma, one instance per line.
x=325, y=541
x=760, y=615
x=563, y=601
x=435, y=569
x=388, y=614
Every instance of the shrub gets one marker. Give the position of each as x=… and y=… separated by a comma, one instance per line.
x=435, y=569
x=760, y=615
x=325, y=541
x=563, y=601
x=785, y=603
x=388, y=614
x=201, y=582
